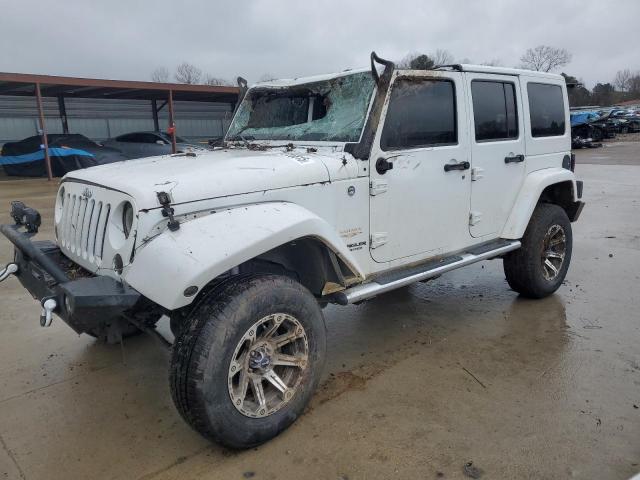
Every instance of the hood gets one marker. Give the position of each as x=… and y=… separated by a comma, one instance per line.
x=195, y=146
x=216, y=174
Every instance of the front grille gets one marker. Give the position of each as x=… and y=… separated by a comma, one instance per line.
x=82, y=226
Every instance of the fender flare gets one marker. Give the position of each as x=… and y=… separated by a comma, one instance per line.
x=532, y=187
x=206, y=247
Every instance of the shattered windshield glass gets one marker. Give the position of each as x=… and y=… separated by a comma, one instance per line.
x=329, y=110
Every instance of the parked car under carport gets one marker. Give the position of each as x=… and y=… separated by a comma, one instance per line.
x=68, y=152
x=149, y=144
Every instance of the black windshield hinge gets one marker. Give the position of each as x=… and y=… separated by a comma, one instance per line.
x=167, y=211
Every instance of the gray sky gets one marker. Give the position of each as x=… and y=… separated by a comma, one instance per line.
x=129, y=39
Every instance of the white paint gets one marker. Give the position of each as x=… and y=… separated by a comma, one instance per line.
x=425, y=210
x=236, y=204
x=493, y=195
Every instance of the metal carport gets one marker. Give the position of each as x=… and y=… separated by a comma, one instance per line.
x=159, y=95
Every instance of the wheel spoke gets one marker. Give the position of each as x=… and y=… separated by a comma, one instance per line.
x=552, y=254
x=277, y=321
x=557, y=241
x=289, y=360
x=244, y=383
x=274, y=379
x=258, y=392
x=551, y=267
x=289, y=337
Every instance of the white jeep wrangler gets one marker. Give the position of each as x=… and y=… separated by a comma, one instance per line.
x=334, y=188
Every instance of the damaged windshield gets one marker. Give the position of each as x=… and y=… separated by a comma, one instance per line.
x=329, y=110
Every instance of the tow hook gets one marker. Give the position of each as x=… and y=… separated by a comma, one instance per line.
x=48, y=306
x=9, y=270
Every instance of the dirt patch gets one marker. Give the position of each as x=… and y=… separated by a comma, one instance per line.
x=338, y=384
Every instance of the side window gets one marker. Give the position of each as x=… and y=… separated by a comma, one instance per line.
x=495, y=112
x=421, y=113
x=149, y=138
x=130, y=137
x=546, y=108
x=126, y=138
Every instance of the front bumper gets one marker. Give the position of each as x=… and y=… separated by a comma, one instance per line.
x=84, y=301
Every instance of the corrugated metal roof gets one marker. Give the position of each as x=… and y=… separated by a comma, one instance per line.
x=22, y=84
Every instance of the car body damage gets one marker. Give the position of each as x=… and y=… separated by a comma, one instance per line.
x=238, y=234
x=331, y=110
x=328, y=189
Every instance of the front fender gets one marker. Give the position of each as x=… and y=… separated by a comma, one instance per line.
x=533, y=186
x=206, y=247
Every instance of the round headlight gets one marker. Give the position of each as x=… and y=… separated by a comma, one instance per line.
x=127, y=219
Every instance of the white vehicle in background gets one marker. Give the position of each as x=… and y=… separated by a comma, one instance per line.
x=149, y=144
x=334, y=188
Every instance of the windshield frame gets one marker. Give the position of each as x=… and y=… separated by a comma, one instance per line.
x=297, y=82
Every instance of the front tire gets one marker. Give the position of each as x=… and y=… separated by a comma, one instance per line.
x=538, y=268
x=248, y=359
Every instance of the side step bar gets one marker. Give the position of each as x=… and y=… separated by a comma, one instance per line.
x=416, y=274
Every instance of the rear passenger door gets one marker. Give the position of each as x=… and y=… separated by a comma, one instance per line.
x=497, y=150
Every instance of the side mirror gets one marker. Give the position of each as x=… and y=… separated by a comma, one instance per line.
x=161, y=142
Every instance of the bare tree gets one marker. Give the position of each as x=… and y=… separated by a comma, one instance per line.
x=187, y=73
x=621, y=81
x=442, y=57
x=634, y=85
x=404, y=63
x=544, y=58
x=211, y=80
x=160, y=75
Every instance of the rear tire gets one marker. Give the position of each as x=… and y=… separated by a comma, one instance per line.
x=232, y=376
x=538, y=268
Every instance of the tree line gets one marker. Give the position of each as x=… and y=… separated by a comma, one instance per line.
x=624, y=86
x=187, y=73
x=543, y=58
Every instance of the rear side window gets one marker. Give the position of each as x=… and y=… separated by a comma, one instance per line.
x=546, y=108
x=421, y=113
x=495, y=112
x=149, y=138
x=130, y=137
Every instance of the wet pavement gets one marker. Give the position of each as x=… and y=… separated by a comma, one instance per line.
x=419, y=382
x=611, y=153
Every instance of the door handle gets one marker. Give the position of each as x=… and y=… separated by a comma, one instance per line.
x=382, y=165
x=514, y=159
x=457, y=166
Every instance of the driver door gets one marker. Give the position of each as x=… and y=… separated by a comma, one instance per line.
x=420, y=169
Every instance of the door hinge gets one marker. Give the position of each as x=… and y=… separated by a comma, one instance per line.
x=376, y=187
x=476, y=173
x=475, y=218
x=378, y=239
